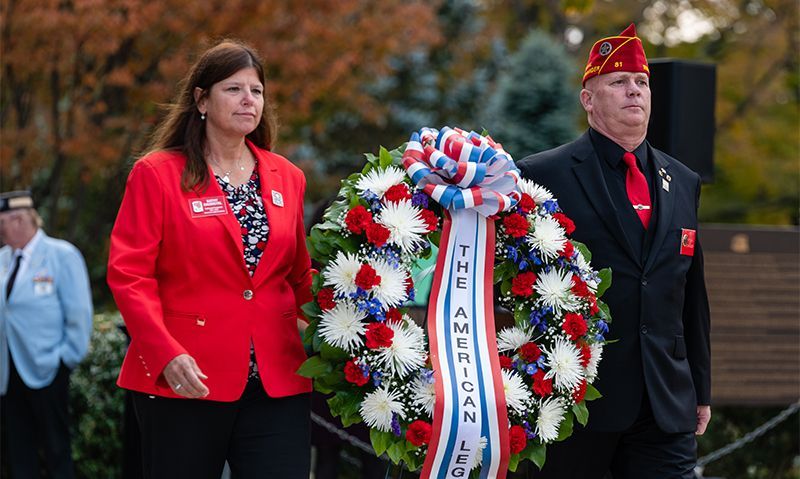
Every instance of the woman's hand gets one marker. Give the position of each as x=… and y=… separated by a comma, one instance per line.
x=184, y=377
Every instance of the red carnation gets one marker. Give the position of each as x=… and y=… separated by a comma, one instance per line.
x=430, y=218
x=565, y=222
x=517, y=439
x=394, y=315
x=579, y=392
x=530, y=352
x=505, y=361
x=593, y=308
x=366, y=277
x=377, y=234
x=354, y=374
x=325, y=299
x=574, y=325
x=358, y=219
x=586, y=354
x=580, y=288
x=541, y=386
x=522, y=284
x=397, y=193
x=379, y=336
x=418, y=433
x=526, y=203
x=516, y=225
x=568, y=250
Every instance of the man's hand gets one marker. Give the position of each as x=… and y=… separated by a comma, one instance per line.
x=184, y=377
x=703, y=416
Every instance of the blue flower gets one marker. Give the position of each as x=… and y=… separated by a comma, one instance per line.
x=530, y=369
x=551, y=206
x=511, y=253
x=602, y=326
x=419, y=199
x=396, y=425
x=377, y=379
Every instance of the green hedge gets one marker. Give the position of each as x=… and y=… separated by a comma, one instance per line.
x=97, y=404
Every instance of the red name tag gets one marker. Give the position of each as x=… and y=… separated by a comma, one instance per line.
x=687, y=241
x=212, y=206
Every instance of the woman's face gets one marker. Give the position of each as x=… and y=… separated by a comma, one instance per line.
x=234, y=105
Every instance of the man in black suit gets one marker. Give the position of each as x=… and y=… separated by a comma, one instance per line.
x=640, y=221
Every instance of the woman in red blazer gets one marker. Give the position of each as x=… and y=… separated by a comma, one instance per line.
x=208, y=266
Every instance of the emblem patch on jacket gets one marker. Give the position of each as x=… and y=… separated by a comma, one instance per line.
x=687, y=241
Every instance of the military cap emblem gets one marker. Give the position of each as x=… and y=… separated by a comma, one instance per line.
x=605, y=48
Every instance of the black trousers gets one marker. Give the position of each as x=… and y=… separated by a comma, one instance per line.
x=643, y=451
x=37, y=420
x=259, y=436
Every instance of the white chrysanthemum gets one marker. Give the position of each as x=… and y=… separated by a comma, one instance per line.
x=551, y=413
x=564, y=362
x=517, y=394
x=510, y=339
x=378, y=406
x=407, y=352
x=423, y=394
x=554, y=290
x=378, y=181
x=597, y=354
x=343, y=326
x=477, y=461
x=391, y=292
x=341, y=273
x=547, y=236
x=539, y=193
x=404, y=222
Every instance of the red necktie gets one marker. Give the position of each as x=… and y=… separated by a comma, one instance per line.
x=638, y=193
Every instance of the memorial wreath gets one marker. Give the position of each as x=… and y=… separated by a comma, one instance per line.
x=376, y=360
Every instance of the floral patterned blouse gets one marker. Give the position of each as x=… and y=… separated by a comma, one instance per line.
x=248, y=207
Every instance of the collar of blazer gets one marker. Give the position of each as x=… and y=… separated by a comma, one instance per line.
x=270, y=177
x=590, y=176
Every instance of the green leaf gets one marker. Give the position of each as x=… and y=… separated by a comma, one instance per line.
x=344, y=404
x=591, y=393
x=311, y=310
x=605, y=313
x=505, y=287
x=396, y=450
x=581, y=413
x=313, y=367
x=411, y=461
x=535, y=453
x=583, y=249
x=332, y=353
x=513, y=462
x=308, y=334
x=385, y=158
x=522, y=313
x=565, y=429
x=605, y=281
x=380, y=440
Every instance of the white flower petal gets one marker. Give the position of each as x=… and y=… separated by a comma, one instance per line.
x=378, y=406
x=547, y=236
x=597, y=354
x=343, y=326
x=518, y=395
x=391, y=292
x=564, y=361
x=404, y=222
x=423, y=394
x=378, y=180
x=554, y=290
x=407, y=352
x=551, y=412
x=341, y=273
x=539, y=193
x=513, y=338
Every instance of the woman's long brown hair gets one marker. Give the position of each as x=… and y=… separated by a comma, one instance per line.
x=183, y=130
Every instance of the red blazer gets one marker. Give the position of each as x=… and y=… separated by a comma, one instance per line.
x=177, y=272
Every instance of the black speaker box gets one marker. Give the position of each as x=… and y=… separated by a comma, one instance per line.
x=682, y=117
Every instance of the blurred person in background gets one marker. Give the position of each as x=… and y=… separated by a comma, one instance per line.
x=45, y=326
x=208, y=266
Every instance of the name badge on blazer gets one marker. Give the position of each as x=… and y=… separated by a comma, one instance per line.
x=42, y=285
x=687, y=241
x=211, y=206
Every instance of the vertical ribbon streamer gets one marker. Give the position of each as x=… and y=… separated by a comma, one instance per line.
x=470, y=411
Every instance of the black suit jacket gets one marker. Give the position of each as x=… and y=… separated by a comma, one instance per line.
x=659, y=305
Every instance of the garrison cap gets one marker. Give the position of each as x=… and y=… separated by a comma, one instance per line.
x=621, y=53
x=13, y=200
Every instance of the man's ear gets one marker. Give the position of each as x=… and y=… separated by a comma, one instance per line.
x=586, y=100
x=200, y=99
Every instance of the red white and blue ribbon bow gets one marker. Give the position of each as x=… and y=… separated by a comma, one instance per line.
x=472, y=178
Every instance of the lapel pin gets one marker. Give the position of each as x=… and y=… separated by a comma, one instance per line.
x=277, y=198
x=661, y=172
x=669, y=178
x=665, y=184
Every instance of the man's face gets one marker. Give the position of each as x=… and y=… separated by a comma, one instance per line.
x=618, y=102
x=12, y=228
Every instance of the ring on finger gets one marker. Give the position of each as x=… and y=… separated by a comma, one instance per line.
x=177, y=386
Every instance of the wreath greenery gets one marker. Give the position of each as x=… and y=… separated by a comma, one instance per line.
x=374, y=358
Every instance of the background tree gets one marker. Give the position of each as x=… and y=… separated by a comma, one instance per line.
x=534, y=106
